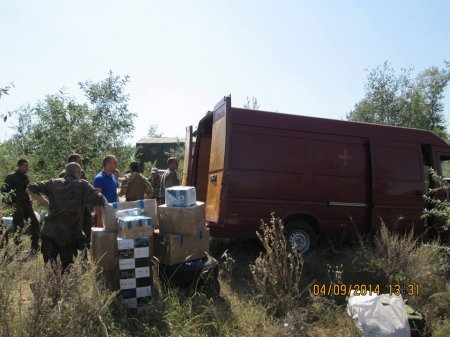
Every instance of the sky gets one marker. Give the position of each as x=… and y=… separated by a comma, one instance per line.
x=182, y=56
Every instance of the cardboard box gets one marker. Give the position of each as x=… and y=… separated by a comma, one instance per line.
x=181, y=196
x=135, y=271
x=171, y=249
x=148, y=206
x=104, y=253
x=182, y=220
x=136, y=226
x=129, y=212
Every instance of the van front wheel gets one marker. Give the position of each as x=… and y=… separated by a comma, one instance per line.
x=300, y=236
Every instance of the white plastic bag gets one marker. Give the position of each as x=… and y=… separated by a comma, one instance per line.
x=379, y=316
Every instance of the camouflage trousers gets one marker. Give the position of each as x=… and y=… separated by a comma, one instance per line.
x=50, y=250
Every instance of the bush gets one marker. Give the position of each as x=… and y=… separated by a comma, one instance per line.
x=278, y=270
x=439, y=202
x=402, y=259
x=399, y=258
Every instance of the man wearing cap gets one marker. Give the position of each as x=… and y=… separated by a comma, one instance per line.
x=169, y=178
x=155, y=181
x=62, y=232
x=134, y=185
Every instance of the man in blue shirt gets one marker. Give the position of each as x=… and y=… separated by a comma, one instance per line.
x=105, y=182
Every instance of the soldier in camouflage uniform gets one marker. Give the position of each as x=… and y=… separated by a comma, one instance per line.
x=134, y=185
x=62, y=232
x=155, y=181
x=169, y=178
x=88, y=220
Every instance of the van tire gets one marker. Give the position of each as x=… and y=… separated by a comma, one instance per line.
x=302, y=235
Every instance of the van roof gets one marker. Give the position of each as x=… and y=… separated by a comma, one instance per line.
x=331, y=126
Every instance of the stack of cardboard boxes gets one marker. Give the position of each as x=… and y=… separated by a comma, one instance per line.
x=123, y=248
x=182, y=234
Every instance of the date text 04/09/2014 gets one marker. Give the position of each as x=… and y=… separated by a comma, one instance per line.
x=341, y=289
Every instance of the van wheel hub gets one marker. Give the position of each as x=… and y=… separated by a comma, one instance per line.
x=300, y=240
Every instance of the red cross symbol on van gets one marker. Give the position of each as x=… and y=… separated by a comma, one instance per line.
x=345, y=157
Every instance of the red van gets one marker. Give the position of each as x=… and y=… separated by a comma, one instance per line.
x=322, y=177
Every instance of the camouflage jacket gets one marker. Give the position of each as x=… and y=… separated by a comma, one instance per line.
x=68, y=197
x=168, y=179
x=135, y=186
x=156, y=184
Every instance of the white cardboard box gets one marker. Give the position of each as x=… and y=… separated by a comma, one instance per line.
x=181, y=196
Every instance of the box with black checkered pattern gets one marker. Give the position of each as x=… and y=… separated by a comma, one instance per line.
x=135, y=271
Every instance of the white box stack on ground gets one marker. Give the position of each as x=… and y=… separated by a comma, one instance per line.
x=181, y=196
x=182, y=234
x=135, y=271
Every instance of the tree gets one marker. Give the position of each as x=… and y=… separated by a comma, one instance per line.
x=5, y=91
x=400, y=100
x=59, y=125
x=252, y=103
x=153, y=131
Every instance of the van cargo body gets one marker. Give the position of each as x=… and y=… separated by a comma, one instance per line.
x=335, y=177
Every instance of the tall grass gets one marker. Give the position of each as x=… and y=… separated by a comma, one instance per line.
x=277, y=271
x=37, y=301
x=404, y=259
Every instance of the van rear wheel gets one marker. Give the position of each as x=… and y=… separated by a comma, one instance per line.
x=300, y=236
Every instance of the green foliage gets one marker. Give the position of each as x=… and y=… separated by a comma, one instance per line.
x=153, y=131
x=148, y=166
x=5, y=91
x=251, y=103
x=399, y=100
x=9, y=155
x=396, y=258
x=438, y=200
x=59, y=125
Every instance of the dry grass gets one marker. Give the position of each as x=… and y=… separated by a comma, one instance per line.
x=72, y=305
x=405, y=259
x=277, y=271
x=37, y=301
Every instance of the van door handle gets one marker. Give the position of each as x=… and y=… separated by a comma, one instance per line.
x=213, y=177
x=417, y=192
